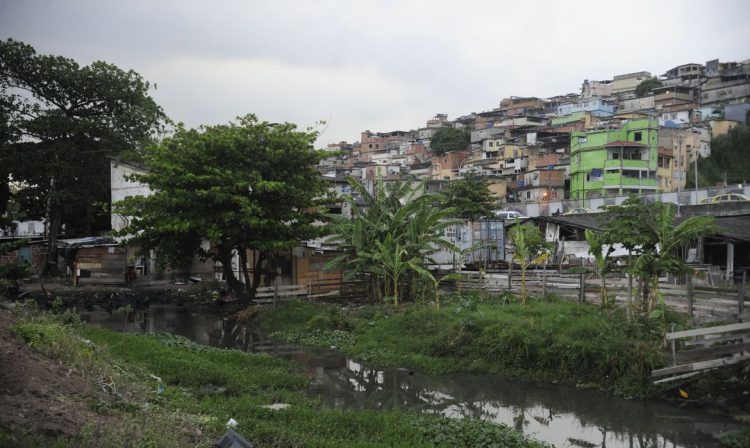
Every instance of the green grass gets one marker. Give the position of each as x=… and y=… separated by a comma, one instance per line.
x=547, y=340
x=205, y=387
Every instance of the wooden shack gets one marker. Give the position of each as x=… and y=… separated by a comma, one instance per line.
x=98, y=261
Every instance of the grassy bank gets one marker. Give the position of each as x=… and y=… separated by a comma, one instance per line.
x=178, y=393
x=547, y=340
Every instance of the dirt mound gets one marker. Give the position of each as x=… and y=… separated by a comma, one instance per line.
x=42, y=396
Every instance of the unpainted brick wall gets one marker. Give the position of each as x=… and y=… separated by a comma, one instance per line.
x=38, y=252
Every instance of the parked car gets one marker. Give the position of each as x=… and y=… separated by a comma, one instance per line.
x=730, y=197
x=726, y=197
x=578, y=211
x=509, y=215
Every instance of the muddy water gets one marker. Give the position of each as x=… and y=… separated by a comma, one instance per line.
x=563, y=416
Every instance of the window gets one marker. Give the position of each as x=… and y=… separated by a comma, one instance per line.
x=24, y=254
x=638, y=136
x=582, y=139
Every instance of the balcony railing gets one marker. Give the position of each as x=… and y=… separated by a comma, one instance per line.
x=625, y=163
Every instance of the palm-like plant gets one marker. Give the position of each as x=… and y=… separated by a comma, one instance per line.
x=530, y=248
x=392, y=238
x=669, y=238
x=604, y=263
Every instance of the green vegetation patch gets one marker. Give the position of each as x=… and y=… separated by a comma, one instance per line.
x=546, y=339
x=181, y=383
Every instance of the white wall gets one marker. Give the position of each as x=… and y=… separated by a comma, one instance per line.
x=121, y=188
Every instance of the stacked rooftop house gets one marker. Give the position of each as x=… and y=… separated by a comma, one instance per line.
x=618, y=161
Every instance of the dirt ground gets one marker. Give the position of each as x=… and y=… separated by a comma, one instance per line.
x=43, y=396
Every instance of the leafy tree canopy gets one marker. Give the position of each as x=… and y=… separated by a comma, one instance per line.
x=447, y=139
x=645, y=87
x=729, y=156
x=470, y=197
x=61, y=122
x=244, y=185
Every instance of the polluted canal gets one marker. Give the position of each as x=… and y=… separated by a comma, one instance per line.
x=563, y=416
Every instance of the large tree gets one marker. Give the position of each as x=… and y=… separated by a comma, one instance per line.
x=447, y=139
x=244, y=185
x=647, y=86
x=66, y=120
x=728, y=160
x=470, y=197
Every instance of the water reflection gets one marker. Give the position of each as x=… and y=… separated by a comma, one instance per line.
x=564, y=416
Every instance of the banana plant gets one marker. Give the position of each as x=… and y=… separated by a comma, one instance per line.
x=604, y=262
x=530, y=249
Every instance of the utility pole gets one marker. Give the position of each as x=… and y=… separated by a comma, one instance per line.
x=696, y=176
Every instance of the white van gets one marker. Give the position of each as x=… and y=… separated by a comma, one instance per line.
x=509, y=215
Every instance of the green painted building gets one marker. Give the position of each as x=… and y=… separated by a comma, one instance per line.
x=608, y=162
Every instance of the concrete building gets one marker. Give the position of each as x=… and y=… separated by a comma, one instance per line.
x=596, y=89
x=624, y=86
x=684, y=75
x=664, y=172
x=479, y=135
x=541, y=184
x=683, y=145
x=577, y=121
x=516, y=105
x=739, y=112
x=644, y=104
x=598, y=107
x=446, y=166
x=726, y=83
x=612, y=161
x=438, y=120
x=121, y=188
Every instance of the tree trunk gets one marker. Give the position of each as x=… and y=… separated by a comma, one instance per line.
x=257, y=269
x=523, y=283
x=4, y=196
x=225, y=257
x=243, y=261
x=55, y=218
x=646, y=291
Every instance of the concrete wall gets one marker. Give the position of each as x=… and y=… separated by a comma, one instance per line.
x=121, y=188
x=628, y=82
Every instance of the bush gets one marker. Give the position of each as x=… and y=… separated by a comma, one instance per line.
x=319, y=322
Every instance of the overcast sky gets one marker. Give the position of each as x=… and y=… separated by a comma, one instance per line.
x=378, y=65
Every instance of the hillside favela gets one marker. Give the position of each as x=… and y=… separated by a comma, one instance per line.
x=378, y=224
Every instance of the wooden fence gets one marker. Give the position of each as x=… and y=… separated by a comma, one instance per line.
x=330, y=289
x=705, y=304
x=695, y=351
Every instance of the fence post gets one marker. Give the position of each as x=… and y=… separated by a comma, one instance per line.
x=275, y=290
x=741, y=297
x=581, y=286
x=674, y=349
x=690, y=294
x=630, y=287
x=544, y=280
x=510, y=273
